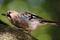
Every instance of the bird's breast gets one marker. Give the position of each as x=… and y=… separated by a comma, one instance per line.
x=33, y=24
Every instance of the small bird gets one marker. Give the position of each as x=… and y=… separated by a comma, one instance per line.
x=27, y=20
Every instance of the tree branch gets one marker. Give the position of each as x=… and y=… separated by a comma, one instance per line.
x=8, y=33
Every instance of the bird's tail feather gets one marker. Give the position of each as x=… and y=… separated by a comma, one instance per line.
x=51, y=23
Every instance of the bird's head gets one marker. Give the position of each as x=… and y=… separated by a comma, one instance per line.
x=11, y=14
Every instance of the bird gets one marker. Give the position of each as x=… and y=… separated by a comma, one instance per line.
x=27, y=21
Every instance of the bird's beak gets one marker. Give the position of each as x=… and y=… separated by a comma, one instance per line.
x=3, y=14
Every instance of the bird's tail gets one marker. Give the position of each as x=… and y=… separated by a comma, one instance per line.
x=51, y=23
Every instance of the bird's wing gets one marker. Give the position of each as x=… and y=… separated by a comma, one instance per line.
x=32, y=16
x=21, y=22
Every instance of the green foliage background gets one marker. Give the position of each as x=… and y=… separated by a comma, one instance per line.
x=48, y=9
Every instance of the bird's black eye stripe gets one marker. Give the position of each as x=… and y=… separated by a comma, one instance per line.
x=9, y=16
x=9, y=13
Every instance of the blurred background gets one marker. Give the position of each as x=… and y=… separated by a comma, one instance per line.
x=48, y=9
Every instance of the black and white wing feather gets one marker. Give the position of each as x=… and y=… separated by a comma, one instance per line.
x=40, y=19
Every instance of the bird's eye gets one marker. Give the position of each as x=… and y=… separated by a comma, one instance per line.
x=9, y=13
